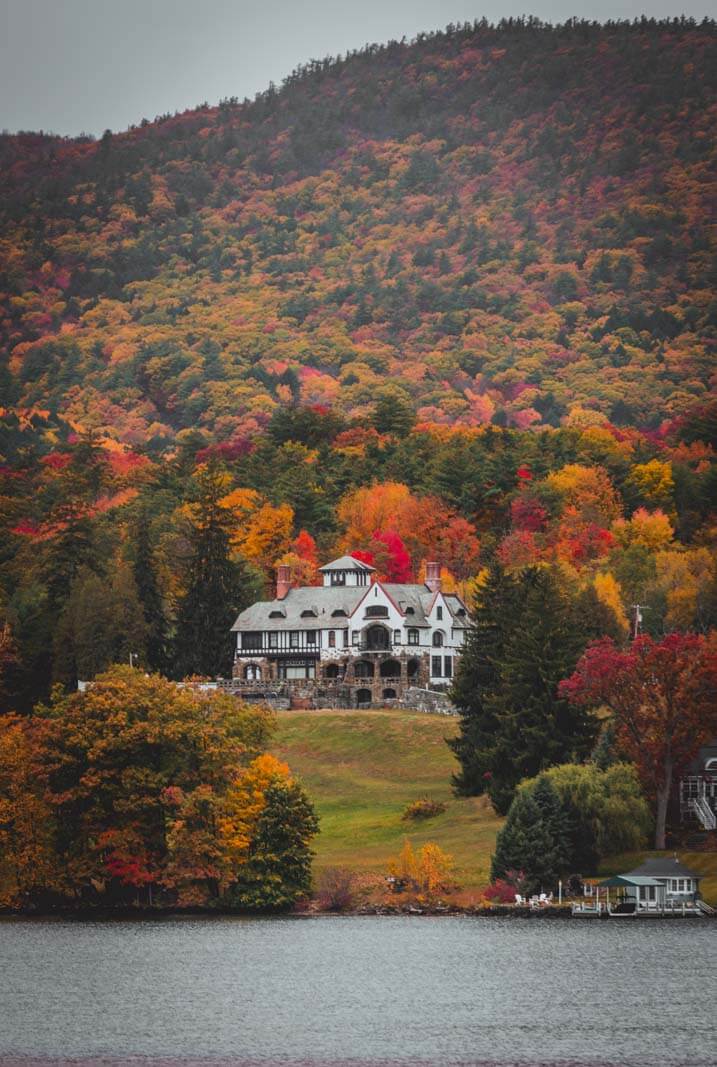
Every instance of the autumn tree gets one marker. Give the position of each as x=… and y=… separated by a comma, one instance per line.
x=663, y=696
x=133, y=777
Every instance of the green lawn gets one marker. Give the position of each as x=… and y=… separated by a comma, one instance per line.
x=361, y=769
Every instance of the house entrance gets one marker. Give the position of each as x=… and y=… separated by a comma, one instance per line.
x=376, y=639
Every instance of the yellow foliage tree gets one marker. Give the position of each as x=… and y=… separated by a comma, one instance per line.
x=684, y=578
x=653, y=484
x=587, y=490
x=608, y=592
x=243, y=804
x=652, y=529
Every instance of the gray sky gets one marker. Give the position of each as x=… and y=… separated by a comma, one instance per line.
x=69, y=66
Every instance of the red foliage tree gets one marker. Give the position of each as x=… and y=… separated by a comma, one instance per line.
x=663, y=695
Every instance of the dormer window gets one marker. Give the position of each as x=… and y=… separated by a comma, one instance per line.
x=277, y=613
x=410, y=611
x=338, y=613
x=308, y=613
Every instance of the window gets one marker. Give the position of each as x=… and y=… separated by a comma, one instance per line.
x=303, y=670
x=397, y=637
x=338, y=578
x=308, y=613
x=436, y=666
x=346, y=639
x=354, y=637
x=376, y=611
x=338, y=613
x=438, y=639
x=277, y=613
x=332, y=639
x=273, y=640
x=439, y=614
x=293, y=639
x=413, y=637
x=448, y=666
x=410, y=611
x=311, y=637
x=251, y=640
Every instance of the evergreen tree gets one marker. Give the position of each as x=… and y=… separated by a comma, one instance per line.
x=478, y=679
x=524, y=640
x=215, y=586
x=150, y=597
x=100, y=624
x=533, y=840
x=278, y=871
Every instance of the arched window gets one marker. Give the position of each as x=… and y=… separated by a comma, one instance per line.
x=438, y=639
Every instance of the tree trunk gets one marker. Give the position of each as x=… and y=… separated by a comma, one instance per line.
x=663, y=799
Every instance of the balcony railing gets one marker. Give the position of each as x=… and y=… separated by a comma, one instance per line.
x=292, y=651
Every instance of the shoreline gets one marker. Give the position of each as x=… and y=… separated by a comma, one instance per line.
x=499, y=911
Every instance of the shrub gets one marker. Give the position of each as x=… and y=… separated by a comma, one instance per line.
x=424, y=808
x=337, y=889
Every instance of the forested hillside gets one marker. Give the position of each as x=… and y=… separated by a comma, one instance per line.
x=444, y=299
x=506, y=221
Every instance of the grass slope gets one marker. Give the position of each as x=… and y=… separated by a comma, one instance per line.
x=362, y=769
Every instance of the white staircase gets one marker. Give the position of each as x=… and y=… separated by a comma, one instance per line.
x=704, y=813
x=706, y=909
x=698, y=799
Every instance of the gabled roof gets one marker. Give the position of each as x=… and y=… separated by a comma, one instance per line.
x=346, y=563
x=663, y=867
x=628, y=879
x=323, y=600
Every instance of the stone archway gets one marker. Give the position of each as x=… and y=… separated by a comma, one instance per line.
x=332, y=672
x=390, y=668
x=413, y=667
x=363, y=668
x=363, y=696
x=389, y=694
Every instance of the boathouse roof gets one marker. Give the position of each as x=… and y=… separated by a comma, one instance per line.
x=663, y=867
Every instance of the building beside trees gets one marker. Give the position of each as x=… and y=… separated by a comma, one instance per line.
x=354, y=639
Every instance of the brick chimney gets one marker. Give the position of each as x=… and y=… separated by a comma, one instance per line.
x=283, y=580
x=433, y=577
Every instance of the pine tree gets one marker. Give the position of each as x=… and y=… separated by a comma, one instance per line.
x=535, y=839
x=524, y=640
x=278, y=871
x=477, y=681
x=100, y=624
x=213, y=591
x=145, y=577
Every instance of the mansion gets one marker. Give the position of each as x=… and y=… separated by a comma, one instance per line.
x=358, y=639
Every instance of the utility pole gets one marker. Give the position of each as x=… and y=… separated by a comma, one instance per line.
x=637, y=619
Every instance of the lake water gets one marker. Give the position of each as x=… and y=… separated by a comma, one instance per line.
x=359, y=991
